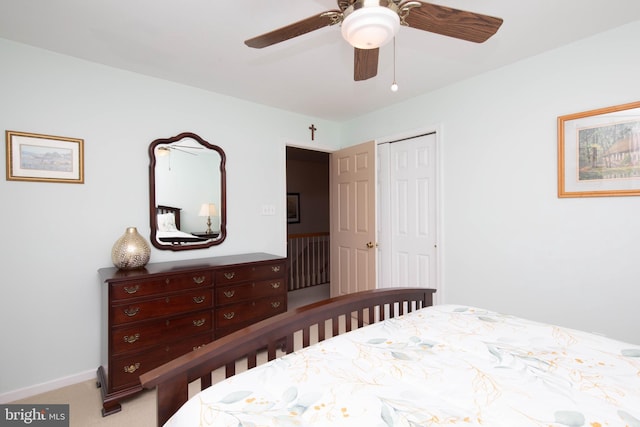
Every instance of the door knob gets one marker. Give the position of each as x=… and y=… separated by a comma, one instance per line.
x=371, y=245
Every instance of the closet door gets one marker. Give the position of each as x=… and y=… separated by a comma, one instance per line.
x=408, y=212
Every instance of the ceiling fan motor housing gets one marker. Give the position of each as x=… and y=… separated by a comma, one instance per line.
x=369, y=24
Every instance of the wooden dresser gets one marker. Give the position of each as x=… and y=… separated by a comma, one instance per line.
x=159, y=312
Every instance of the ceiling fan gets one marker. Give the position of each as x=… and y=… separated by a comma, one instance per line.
x=369, y=24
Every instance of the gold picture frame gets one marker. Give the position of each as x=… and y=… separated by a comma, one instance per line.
x=44, y=158
x=599, y=152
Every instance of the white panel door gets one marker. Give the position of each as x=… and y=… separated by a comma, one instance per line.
x=353, y=220
x=407, y=209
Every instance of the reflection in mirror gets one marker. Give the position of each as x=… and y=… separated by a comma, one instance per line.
x=187, y=193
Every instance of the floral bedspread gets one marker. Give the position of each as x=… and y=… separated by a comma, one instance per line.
x=440, y=366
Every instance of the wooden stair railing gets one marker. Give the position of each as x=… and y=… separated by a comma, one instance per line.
x=308, y=256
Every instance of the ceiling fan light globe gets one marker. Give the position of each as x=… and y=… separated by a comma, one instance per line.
x=370, y=27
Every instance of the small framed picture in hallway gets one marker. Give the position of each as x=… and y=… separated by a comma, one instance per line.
x=293, y=207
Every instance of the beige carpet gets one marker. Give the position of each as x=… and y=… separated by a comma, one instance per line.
x=85, y=401
x=85, y=404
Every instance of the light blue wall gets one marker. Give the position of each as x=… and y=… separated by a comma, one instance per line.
x=508, y=242
x=56, y=236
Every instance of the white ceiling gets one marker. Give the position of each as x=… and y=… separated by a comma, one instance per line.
x=200, y=43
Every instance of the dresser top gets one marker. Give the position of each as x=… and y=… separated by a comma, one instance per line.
x=113, y=274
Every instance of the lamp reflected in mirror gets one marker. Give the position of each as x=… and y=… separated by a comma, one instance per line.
x=208, y=210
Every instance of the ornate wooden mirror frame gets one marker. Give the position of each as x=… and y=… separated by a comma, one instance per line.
x=188, y=184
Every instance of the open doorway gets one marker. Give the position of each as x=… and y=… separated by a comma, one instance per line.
x=308, y=225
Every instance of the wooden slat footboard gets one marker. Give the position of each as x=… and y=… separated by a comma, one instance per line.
x=343, y=313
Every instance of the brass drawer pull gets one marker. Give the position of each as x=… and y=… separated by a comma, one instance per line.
x=229, y=316
x=199, y=280
x=131, y=338
x=199, y=322
x=275, y=304
x=275, y=268
x=229, y=294
x=199, y=300
x=131, y=311
x=229, y=276
x=275, y=285
x=132, y=289
x=132, y=368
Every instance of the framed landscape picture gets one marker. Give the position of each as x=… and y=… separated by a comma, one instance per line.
x=44, y=158
x=599, y=152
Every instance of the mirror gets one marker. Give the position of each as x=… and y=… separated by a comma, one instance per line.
x=187, y=193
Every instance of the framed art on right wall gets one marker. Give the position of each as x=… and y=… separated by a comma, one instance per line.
x=599, y=152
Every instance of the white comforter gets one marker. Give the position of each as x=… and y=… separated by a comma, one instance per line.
x=439, y=366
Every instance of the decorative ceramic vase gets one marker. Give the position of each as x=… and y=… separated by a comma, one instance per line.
x=130, y=251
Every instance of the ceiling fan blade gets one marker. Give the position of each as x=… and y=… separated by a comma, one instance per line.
x=365, y=63
x=296, y=29
x=460, y=24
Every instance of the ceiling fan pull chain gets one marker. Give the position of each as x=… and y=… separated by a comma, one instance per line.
x=394, y=85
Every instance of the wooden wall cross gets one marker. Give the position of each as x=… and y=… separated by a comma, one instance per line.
x=313, y=130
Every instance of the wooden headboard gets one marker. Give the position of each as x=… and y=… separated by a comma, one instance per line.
x=172, y=379
x=162, y=209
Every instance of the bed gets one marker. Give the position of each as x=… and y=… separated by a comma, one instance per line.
x=415, y=365
x=168, y=227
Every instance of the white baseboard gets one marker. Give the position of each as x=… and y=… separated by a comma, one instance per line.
x=23, y=393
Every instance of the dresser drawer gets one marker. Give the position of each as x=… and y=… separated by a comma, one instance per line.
x=171, y=283
x=250, y=272
x=126, y=370
x=147, y=334
x=250, y=311
x=249, y=291
x=162, y=306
